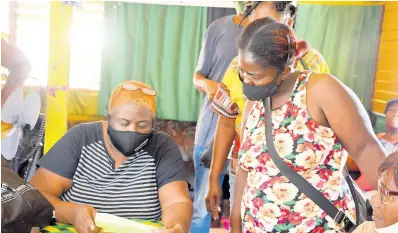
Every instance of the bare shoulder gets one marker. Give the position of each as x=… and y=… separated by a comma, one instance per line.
x=326, y=86
x=322, y=79
x=327, y=96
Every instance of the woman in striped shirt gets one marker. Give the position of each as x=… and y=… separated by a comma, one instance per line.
x=121, y=167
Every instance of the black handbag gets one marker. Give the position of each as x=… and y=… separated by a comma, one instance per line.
x=362, y=206
x=22, y=206
x=207, y=156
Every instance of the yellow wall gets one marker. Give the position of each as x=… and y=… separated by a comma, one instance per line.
x=343, y=3
x=386, y=82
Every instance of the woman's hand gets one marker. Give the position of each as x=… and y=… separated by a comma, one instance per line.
x=213, y=200
x=176, y=229
x=83, y=219
x=81, y=216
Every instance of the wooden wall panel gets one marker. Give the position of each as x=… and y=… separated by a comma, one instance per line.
x=386, y=82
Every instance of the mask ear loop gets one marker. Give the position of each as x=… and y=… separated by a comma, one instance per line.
x=288, y=48
x=107, y=113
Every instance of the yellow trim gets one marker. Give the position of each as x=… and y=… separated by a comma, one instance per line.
x=58, y=72
x=344, y=3
x=51, y=229
x=83, y=118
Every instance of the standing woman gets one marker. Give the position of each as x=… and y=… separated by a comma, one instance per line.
x=316, y=120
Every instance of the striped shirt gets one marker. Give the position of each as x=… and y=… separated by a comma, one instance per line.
x=129, y=191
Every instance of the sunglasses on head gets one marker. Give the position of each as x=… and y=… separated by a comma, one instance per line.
x=132, y=87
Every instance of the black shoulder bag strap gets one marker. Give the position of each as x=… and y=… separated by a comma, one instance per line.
x=303, y=185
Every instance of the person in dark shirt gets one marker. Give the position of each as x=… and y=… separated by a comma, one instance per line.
x=121, y=167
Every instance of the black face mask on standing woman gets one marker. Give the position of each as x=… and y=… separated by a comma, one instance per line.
x=257, y=93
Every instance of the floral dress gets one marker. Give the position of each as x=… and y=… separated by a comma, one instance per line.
x=270, y=202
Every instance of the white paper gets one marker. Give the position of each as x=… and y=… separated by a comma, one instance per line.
x=115, y=224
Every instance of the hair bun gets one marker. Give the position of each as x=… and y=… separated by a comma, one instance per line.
x=301, y=48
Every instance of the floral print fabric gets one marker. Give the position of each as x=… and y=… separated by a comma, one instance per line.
x=270, y=202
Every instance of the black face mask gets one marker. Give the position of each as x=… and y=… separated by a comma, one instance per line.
x=128, y=142
x=257, y=93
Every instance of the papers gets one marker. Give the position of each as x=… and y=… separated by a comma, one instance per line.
x=114, y=224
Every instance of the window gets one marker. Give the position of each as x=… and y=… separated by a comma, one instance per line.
x=4, y=16
x=4, y=30
x=86, y=46
x=32, y=37
x=33, y=27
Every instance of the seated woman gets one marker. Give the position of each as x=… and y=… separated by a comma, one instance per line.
x=385, y=203
x=120, y=167
x=389, y=139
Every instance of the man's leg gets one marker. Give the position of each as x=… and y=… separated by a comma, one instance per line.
x=231, y=189
x=201, y=218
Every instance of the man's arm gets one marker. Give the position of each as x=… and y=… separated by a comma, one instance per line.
x=176, y=206
x=201, y=79
x=17, y=64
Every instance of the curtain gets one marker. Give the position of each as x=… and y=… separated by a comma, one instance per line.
x=158, y=45
x=348, y=38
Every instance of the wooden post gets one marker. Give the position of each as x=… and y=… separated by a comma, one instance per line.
x=58, y=73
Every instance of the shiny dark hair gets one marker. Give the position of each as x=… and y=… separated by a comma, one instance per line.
x=390, y=164
x=272, y=44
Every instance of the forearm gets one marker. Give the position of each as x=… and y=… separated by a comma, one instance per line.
x=369, y=160
x=63, y=210
x=178, y=214
x=53, y=192
x=199, y=81
x=240, y=183
x=223, y=141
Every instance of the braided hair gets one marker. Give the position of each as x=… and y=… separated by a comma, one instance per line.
x=283, y=8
